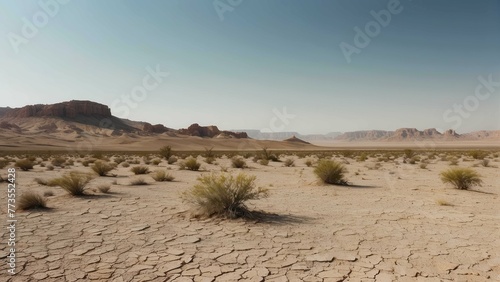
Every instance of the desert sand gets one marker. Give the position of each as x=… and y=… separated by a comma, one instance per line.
x=397, y=222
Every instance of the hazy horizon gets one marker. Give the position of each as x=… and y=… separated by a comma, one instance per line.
x=295, y=66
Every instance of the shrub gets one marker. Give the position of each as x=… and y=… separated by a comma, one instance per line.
x=264, y=162
x=58, y=161
x=166, y=152
x=31, y=200
x=125, y=164
x=209, y=160
x=423, y=165
x=442, y=202
x=74, y=182
x=140, y=169
x=138, y=181
x=156, y=161
x=363, y=157
x=41, y=181
x=224, y=195
x=309, y=163
x=3, y=163
x=48, y=194
x=289, y=163
x=102, y=168
x=172, y=160
x=485, y=163
x=190, y=164
x=461, y=178
x=453, y=162
x=119, y=160
x=331, y=172
x=478, y=155
x=409, y=153
x=104, y=188
x=238, y=162
x=161, y=175
x=24, y=164
x=50, y=167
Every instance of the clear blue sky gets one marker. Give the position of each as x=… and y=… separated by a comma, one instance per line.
x=262, y=55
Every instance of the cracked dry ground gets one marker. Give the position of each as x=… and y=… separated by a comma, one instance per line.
x=394, y=231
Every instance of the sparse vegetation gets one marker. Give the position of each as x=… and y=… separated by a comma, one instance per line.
x=224, y=195
x=442, y=202
x=48, y=194
x=101, y=168
x=31, y=200
x=74, y=182
x=161, y=175
x=138, y=181
x=24, y=164
x=238, y=162
x=166, y=152
x=190, y=164
x=264, y=161
x=58, y=161
x=140, y=169
x=485, y=162
x=423, y=165
x=331, y=172
x=309, y=163
x=461, y=178
x=289, y=162
x=172, y=160
x=104, y=188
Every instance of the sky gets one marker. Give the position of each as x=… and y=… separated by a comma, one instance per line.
x=273, y=65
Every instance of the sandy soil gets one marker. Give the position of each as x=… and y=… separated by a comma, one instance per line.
x=387, y=226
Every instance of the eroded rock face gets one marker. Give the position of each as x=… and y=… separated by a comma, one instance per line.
x=69, y=109
x=209, y=131
x=157, y=128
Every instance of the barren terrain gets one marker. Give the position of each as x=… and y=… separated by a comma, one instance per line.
x=395, y=222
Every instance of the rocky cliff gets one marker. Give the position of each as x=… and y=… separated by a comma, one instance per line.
x=71, y=109
x=209, y=131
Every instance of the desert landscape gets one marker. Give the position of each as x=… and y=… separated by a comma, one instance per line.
x=237, y=140
x=393, y=221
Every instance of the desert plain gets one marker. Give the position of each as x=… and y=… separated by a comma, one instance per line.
x=395, y=221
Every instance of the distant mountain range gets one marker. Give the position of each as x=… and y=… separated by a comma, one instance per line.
x=87, y=117
x=399, y=135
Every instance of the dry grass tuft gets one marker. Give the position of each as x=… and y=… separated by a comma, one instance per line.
x=140, y=170
x=161, y=176
x=102, y=168
x=331, y=172
x=224, y=195
x=30, y=200
x=461, y=178
x=74, y=182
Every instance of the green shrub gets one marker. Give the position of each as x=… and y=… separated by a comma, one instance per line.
x=31, y=200
x=166, y=152
x=238, y=162
x=461, y=178
x=102, y=168
x=24, y=164
x=74, y=182
x=161, y=175
x=331, y=172
x=140, y=169
x=224, y=195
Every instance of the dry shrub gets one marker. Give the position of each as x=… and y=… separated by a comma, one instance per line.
x=190, y=164
x=74, y=182
x=331, y=172
x=461, y=178
x=238, y=162
x=224, y=195
x=289, y=162
x=161, y=176
x=24, y=164
x=138, y=181
x=140, y=169
x=30, y=200
x=102, y=168
x=104, y=188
